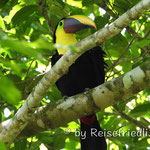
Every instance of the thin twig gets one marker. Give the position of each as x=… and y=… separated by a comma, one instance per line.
x=124, y=61
x=25, y=88
x=15, y=58
x=121, y=55
x=42, y=5
x=131, y=120
x=144, y=119
x=146, y=34
x=115, y=63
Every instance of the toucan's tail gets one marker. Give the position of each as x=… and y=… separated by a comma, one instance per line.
x=91, y=136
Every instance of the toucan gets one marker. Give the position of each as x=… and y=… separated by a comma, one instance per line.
x=85, y=73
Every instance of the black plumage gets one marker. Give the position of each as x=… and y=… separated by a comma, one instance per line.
x=86, y=72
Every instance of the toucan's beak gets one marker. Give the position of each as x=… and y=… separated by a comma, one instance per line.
x=76, y=23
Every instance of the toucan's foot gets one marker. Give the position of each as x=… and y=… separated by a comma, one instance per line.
x=65, y=97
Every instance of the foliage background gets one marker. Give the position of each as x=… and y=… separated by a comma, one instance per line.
x=26, y=35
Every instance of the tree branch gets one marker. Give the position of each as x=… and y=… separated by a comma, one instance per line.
x=131, y=120
x=107, y=94
x=24, y=114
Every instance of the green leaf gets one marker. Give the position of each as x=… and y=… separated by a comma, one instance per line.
x=19, y=83
x=2, y=25
x=46, y=139
x=60, y=2
x=109, y=124
x=35, y=146
x=124, y=5
x=20, y=145
x=8, y=90
x=122, y=140
x=87, y=2
x=126, y=66
x=101, y=21
x=141, y=110
x=71, y=144
x=54, y=94
x=82, y=34
x=75, y=10
x=117, y=43
x=23, y=48
x=23, y=14
x=10, y=64
x=135, y=1
x=2, y=146
x=59, y=141
x=142, y=144
x=134, y=50
x=42, y=43
x=3, y=35
x=143, y=43
x=113, y=53
x=146, y=91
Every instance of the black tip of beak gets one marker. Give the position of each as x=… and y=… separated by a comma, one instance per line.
x=72, y=25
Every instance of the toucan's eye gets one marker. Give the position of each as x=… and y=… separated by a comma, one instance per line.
x=60, y=23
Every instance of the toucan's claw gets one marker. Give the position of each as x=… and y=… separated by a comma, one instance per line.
x=65, y=98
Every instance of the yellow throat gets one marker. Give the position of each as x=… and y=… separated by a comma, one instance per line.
x=64, y=39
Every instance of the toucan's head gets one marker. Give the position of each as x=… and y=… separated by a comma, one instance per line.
x=67, y=27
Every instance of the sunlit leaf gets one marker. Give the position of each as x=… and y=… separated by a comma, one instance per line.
x=10, y=64
x=141, y=110
x=29, y=49
x=2, y=25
